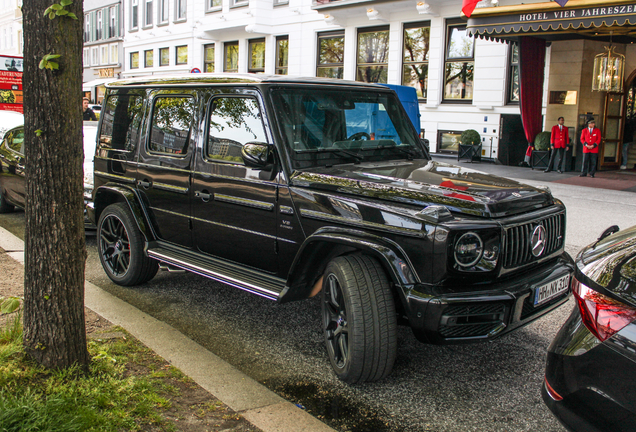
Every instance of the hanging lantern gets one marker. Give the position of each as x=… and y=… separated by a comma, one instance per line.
x=608, y=71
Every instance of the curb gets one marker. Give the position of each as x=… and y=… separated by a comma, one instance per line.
x=256, y=403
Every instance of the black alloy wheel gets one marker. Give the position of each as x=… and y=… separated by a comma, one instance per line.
x=359, y=319
x=121, y=247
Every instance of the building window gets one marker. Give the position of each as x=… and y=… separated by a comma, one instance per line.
x=448, y=141
x=280, y=2
x=134, y=60
x=134, y=14
x=163, y=12
x=164, y=56
x=513, y=79
x=182, y=55
x=415, y=58
x=180, y=10
x=330, y=55
x=87, y=57
x=104, y=54
x=282, y=54
x=99, y=25
x=113, y=22
x=257, y=55
x=460, y=65
x=94, y=56
x=230, y=55
x=114, y=53
x=148, y=58
x=208, y=58
x=236, y=3
x=87, y=28
x=148, y=13
x=373, y=55
x=213, y=5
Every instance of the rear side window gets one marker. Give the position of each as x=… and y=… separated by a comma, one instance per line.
x=15, y=141
x=171, y=125
x=121, y=120
x=234, y=121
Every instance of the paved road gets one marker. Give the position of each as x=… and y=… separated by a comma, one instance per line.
x=486, y=387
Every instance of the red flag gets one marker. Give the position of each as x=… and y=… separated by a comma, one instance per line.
x=468, y=6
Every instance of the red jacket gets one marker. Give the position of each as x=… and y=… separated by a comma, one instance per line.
x=593, y=138
x=560, y=138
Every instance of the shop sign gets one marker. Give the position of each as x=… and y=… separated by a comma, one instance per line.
x=106, y=73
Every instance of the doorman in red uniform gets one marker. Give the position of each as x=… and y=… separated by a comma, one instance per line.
x=591, y=139
x=559, y=143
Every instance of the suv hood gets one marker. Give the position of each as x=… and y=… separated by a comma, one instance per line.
x=611, y=264
x=424, y=183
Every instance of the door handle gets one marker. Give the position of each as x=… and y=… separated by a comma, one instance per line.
x=205, y=197
x=144, y=184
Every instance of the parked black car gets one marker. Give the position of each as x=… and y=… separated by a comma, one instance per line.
x=591, y=367
x=289, y=188
x=13, y=168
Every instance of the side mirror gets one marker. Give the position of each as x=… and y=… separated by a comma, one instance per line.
x=257, y=155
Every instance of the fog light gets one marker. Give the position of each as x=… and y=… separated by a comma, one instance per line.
x=468, y=249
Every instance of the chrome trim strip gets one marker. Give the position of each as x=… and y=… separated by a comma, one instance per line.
x=312, y=214
x=163, y=168
x=272, y=295
x=244, y=202
x=236, y=179
x=169, y=212
x=286, y=210
x=115, y=177
x=243, y=230
x=170, y=188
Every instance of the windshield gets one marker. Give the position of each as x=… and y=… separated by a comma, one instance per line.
x=324, y=127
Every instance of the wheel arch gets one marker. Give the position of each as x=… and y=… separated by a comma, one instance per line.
x=328, y=243
x=111, y=194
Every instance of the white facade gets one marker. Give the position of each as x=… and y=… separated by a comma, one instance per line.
x=217, y=23
x=11, y=39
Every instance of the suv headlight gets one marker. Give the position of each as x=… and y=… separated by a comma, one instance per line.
x=476, y=251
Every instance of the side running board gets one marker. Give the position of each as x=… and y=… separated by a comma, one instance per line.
x=251, y=281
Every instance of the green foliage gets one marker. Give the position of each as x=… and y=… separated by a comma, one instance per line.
x=105, y=398
x=58, y=9
x=39, y=132
x=542, y=141
x=47, y=62
x=9, y=305
x=470, y=137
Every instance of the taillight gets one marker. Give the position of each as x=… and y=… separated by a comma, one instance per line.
x=602, y=315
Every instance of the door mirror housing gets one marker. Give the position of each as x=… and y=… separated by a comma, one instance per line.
x=257, y=155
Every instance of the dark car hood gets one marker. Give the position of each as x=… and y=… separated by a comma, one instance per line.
x=611, y=264
x=423, y=183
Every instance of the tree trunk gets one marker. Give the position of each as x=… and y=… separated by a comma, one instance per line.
x=54, y=328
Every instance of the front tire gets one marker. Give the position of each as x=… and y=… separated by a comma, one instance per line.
x=121, y=247
x=359, y=320
x=5, y=207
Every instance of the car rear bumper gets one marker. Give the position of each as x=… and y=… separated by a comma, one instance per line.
x=486, y=312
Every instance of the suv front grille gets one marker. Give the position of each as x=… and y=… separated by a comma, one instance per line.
x=517, y=247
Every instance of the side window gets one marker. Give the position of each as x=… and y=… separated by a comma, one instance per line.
x=121, y=121
x=171, y=125
x=15, y=140
x=234, y=121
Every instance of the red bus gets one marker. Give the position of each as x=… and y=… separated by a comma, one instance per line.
x=11, y=69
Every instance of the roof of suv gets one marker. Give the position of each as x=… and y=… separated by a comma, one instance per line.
x=205, y=79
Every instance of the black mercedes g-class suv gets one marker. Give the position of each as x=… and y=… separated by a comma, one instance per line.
x=290, y=188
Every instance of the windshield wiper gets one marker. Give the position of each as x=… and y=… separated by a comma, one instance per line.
x=357, y=158
x=410, y=154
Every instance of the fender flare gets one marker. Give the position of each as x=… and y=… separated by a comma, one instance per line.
x=109, y=194
x=327, y=243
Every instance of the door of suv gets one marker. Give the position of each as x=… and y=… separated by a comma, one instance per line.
x=12, y=174
x=234, y=206
x=163, y=171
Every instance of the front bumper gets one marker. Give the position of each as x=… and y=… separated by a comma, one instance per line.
x=484, y=312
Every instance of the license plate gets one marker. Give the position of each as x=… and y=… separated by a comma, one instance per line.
x=550, y=290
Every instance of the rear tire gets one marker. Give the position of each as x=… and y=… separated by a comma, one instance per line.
x=359, y=319
x=121, y=247
x=5, y=207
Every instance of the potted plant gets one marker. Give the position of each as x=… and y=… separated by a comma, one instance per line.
x=541, y=153
x=470, y=145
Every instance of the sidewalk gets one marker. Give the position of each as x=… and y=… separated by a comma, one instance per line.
x=620, y=180
x=258, y=405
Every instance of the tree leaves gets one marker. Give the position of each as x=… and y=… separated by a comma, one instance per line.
x=47, y=63
x=57, y=9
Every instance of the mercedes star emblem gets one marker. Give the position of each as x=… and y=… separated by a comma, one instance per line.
x=537, y=242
